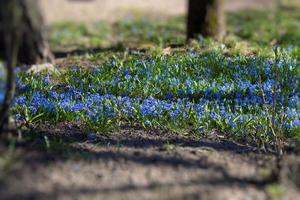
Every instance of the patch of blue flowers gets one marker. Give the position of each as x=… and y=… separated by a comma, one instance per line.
x=195, y=92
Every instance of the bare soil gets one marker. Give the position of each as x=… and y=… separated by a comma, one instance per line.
x=139, y=164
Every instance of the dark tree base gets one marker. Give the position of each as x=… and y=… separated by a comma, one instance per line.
x=22, y=40
x=33, y=45
x=206, y=18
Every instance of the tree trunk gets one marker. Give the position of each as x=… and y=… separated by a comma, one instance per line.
x=11, y=15
x=33, y=47
x=22, y=40
x=206, y=18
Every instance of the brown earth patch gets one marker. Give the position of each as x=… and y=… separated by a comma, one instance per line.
x=138, y=164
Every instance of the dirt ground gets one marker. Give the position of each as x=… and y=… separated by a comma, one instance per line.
x=137, y=164
x=112, y=10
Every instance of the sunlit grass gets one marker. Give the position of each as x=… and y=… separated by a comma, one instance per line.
x=191, y=92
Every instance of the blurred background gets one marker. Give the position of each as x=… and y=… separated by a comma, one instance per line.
x=112, y=10
x=141, y=23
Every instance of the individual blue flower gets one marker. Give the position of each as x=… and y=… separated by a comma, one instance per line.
x=232, y=124
x=296, y=123
x=33, y=109
x=21, y=100
x=19, y=117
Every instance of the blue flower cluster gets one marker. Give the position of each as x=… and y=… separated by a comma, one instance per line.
x=197, y=92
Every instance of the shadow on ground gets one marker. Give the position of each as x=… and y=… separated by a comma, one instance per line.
x=133, y=164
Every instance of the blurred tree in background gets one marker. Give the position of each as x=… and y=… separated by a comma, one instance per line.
x=206, y=18
x=33, y=46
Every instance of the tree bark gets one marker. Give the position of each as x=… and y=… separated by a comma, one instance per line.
x=11, y=15
x=33, y=48
x=206, y=18
x=22, y=40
